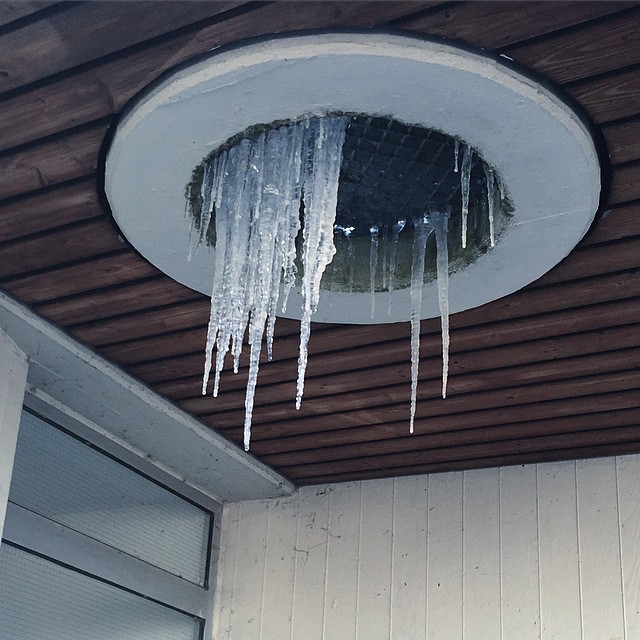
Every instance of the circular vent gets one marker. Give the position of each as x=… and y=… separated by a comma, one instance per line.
x=414, y=105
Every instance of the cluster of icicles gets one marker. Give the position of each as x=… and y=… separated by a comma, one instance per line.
x=255, y=189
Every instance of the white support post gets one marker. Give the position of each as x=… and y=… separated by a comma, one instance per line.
x=13, y=380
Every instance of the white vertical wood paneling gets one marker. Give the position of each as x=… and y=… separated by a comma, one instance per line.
x=444, y=557
x=226, y=573
x=249, y=581
x=628, y=477
x=409, y=570
x=534, y=553
x=481, y=568
x=343, y=552
x=311, y=564
x=599, y=550
x=558, y=548
x=277, y=602
x=374, y=590
x=13, y=378
x=520, y=591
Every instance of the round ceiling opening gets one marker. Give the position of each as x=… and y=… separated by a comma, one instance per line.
x=426, y=126
x=390, y=174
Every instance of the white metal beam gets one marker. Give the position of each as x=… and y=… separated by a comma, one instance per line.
x=133, y=415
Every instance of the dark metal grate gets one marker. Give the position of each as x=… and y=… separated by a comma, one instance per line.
x=392, y=170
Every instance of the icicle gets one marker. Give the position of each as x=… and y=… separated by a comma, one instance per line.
x=291, y=218
x=440, y=221
x=261, y=260
x=192, y=225
x=395, y=234
x=255, y=190
x=465, y=178
x=206, y=198
x=423, y=229
x=351, y=257
x=491, y=197
x=346, y=264
x=373, y=266
x=320, y=196
x=385, y=257
x=288, y=225
x=456, y=153
x=214, y=316
x=232, y=215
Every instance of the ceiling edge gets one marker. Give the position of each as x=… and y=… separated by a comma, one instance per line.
x=130, y=413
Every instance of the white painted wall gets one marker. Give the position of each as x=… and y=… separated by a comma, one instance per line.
x=13, y=379
x=543, y=552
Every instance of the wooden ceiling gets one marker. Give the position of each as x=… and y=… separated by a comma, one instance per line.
x=551, y=372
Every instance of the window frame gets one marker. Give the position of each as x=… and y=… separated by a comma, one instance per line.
x=39, y=535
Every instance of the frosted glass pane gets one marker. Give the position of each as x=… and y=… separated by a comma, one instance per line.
x=61, y=478
x=40, y=600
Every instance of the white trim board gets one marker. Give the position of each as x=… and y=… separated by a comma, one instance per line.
x=132, y=414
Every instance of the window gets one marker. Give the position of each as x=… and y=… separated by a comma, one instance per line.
x=95, y=548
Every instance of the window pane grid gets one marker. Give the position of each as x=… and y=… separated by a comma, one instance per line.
x=43, y=600
x=65, y=480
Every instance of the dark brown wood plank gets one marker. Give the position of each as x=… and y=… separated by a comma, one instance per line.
x=44, y=210
x=12, y=11
x=518, y=306
x=396, y=391
x=101, y=91
x=181, y=389
x=597, y=289
x=526, y=444
x=609, y=98
x=179, y=343
x=498, y=449
x=593, y=260
x=81, y=241
x=71, y=156
x=573, y=453
x=86, y=31
x=618, y=286
x=327, y=430
x=113, y=302
x=363, y=441
x=625, y=183
x=189, y=340
x=66, y=281
x=376, y=351
x=474, y=348
x=475, y=373
x=623, y=140
x=615, y=224
x=337, y=338
x=286, y=341
x=590, y=50
x=151, y=322
x=497, y=24
x=590, y=261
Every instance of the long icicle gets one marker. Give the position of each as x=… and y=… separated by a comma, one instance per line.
x=465, y=179
x=373, y=266
x=260, y=263
x=255, y=189
x=491, y=201
x=423, y=229
x=440, y=221
x=320, y=197
x=396, y=228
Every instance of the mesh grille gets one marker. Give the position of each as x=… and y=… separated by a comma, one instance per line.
x=391, y=170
